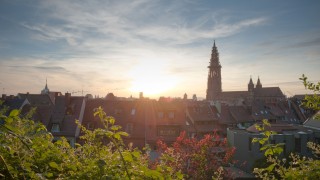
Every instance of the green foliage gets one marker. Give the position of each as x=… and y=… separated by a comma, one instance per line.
x=266, y=145
x=295, y=166
x=27, y=152
x=311, y=101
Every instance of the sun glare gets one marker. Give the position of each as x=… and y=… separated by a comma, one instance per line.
x=151, y=78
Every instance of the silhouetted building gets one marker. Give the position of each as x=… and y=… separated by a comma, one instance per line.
x=215, y=93
x=214, y=75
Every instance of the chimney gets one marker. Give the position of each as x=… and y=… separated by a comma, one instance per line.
x=141, y=95
x=67, y=98
x=4, y=96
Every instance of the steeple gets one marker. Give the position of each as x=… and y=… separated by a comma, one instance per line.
x=46, y=89
x=259, y=85
x=250, y=85
x=214, y=75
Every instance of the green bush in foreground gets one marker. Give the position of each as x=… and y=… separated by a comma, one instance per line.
x=27, y=152
x=296, y=166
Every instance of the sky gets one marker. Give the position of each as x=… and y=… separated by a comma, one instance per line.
x=158, y=47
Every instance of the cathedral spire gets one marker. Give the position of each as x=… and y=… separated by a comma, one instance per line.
x=250, y=85
x=214, y=75
x=259, y=85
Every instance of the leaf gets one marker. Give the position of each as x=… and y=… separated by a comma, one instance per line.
x=114, y=127
x=112, y=120
x=122, y=133
x=267, y=133
x=268, y=152
x=264, y=147
x=278, y=150
x=117, y=136
x=136, y=154
x=9, y=120
x=54, y=165
x=14, y=113
x=49, y=175
x=127, y=156
x=271, y=167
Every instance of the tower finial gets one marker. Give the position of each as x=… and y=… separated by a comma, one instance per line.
x=214, y=43
x=259, y=85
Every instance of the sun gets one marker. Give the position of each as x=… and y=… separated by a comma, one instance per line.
x=151, y=78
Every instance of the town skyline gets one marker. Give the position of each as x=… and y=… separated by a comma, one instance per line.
x=160, y=48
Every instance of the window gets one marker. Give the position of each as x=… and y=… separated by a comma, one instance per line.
x=171, y=115
x=133, y=111
x=160, y=115
x=90, y=126
x=168, y=131
x=129, y=128
x=55, y=127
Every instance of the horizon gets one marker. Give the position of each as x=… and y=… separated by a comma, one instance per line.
x=160, y=48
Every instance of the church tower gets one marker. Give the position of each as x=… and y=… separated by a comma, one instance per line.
x=250, y=85
x=46, y=89
x=259, y=85
x=214, y=75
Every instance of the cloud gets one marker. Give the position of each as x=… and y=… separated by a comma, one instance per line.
x=51, y=68
x=306, y=43
x=97, y=26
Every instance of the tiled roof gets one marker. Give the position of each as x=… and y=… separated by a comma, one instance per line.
x=14, y=103
x=124, y=112
x=240, y=114
x=276, y=127
x=66, y=114
x=268, y=92
x=201, y=111
x=225, y=116
x=37, y=99
x=232, y=95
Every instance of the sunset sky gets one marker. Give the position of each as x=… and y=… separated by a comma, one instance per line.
x=160, y=47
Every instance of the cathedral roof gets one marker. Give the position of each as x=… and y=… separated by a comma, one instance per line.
x=233, y=94
x=268, y=92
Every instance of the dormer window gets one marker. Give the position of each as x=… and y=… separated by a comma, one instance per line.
x=55, y=127
x=160, y=115
x=171, y=115
x=133, y=111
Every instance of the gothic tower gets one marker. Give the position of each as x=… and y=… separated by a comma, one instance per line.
x=250, y=85
x=259, y=85
x=214, y=75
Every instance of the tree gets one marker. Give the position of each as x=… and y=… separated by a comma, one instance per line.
x=198, y=159
x=296, y=166
x=27, y=152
